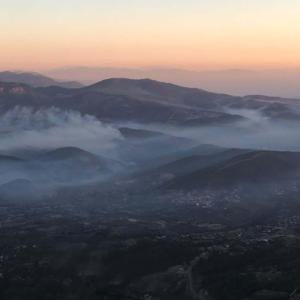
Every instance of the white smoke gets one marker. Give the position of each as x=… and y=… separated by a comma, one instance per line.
x=25, y=128
x=255, y=132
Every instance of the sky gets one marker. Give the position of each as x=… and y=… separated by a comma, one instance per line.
x=190, y=34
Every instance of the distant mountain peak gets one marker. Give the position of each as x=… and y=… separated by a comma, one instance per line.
x=137, y=82
x=68, y=153
x=35, y=79
x=143, y=88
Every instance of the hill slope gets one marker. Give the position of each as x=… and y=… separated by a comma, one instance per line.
x=256, y=167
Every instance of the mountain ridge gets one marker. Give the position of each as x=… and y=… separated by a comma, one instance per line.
x=256, y=166
x=35, y=79
x=147, y=101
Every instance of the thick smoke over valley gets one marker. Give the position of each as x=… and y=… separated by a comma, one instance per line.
x=24, y=128
x=256, y=131
x=42, y=149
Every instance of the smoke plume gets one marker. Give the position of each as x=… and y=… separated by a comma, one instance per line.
x=26, y=128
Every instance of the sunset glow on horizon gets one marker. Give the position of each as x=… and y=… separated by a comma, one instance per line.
x=189, y=34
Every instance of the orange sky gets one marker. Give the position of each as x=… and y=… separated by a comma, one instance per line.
x=135, y=33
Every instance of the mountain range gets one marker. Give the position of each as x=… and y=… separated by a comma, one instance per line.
x=273, y=82
x=148, y=101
